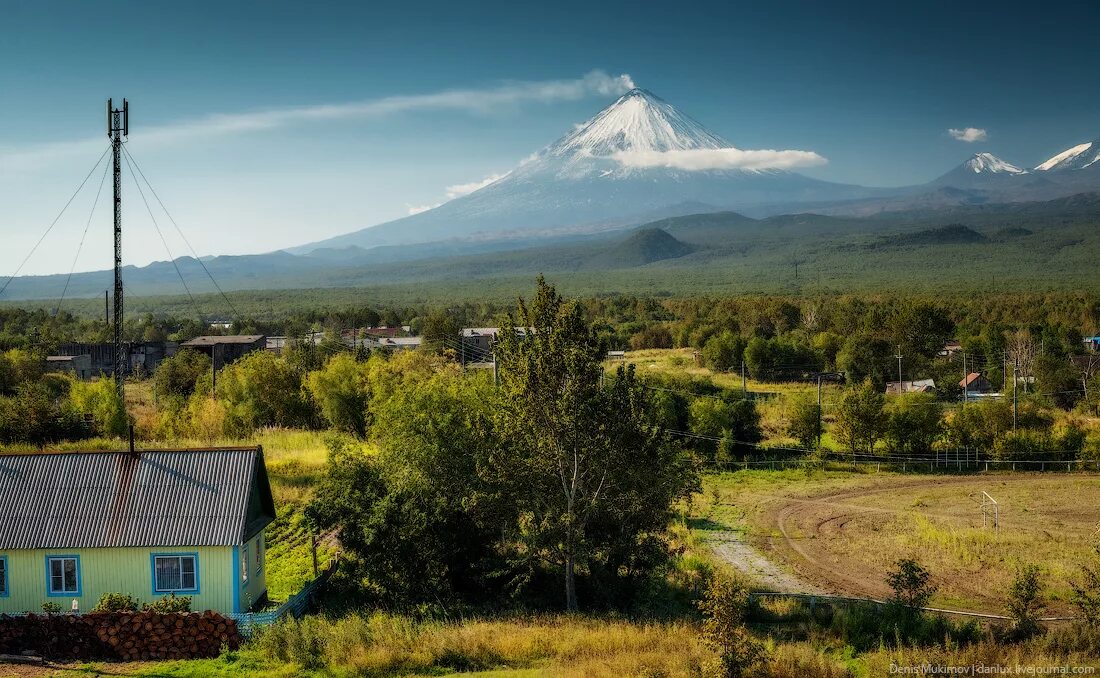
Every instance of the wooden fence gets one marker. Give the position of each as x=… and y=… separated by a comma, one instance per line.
x=297, y=605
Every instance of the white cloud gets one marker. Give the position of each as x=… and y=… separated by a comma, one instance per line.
x=968, y=134
x=476, y=101
x=719, y=158
x=459, y=190
x=417, y=209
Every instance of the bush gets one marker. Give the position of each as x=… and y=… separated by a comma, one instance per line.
x=340, y=389
x=169, y=604
x=117, y=602
x=99, y=399
x=914, y=423
x=1025, y=601
x=723, y=352
x=725, y=605
x=911, y=584
x=1086, y=591
x=177, y=376
x=804, y=420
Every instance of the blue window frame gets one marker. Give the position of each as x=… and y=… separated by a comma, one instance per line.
x=174, y=572
x=5, y=577
x=63, y=576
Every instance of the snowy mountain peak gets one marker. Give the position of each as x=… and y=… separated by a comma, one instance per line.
x=987, y=163
x=1078, y=157
x=638, y=121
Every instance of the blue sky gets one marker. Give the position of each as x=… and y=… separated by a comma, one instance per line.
x=391, y=105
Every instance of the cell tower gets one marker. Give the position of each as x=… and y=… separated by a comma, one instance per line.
x=118, y=126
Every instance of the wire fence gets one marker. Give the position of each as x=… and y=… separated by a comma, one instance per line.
x=814, y=598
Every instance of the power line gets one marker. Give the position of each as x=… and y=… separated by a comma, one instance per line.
x=55, y=220
x=181, y=234
x=102, y=180
x=162, y=239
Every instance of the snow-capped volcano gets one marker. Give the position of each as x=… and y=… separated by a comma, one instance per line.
x=591, y=178
x=1078, y=157
x=983, y=171
x=638, y=121
x=987, y=163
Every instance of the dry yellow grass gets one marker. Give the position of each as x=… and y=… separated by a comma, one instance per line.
x=829, y=525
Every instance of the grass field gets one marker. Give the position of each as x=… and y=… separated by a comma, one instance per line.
x=844, y=531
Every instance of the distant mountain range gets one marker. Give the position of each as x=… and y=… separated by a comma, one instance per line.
x=579, y=184
x=575, y=206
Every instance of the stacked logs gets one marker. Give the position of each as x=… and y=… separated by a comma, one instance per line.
x=128, y=636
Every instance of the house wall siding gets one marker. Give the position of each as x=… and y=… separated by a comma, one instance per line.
x=115, y=570
x=255, y=587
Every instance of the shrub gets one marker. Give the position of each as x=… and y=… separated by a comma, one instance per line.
x=1025, y=601
x=340, y=389
x=723, y=352
x=99, y=399
x=725, y=605
x=117, y=602
x=177, y=376
x=51, y=608
x=804, y=420
x=1086, y=591
x=169, y=604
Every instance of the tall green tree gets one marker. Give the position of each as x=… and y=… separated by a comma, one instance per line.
x=914, y=423
x=177, y=376
x=861, y=419
x=587, y=472
x=804, y=420
x=341, y=392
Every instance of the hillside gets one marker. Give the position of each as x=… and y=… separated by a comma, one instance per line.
x=1049, y=245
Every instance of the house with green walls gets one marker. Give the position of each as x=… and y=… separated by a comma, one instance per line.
x=77, y=525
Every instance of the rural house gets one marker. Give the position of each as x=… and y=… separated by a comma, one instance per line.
x=77, y=525
x=915, y=386
x=976, y=383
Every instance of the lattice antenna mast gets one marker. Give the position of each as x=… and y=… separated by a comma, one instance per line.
x=118, y=126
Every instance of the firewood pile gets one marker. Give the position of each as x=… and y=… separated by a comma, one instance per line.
x=127, y=636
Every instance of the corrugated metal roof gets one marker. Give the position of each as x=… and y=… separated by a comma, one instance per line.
x=150, y=498
x=228, y=339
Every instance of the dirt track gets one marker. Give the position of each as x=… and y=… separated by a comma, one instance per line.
x=823, y=538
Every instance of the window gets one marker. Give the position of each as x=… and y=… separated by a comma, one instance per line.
x=175, y=573
x=244, y=564
x=3, y=577
x=259, y=555
x=63, y=574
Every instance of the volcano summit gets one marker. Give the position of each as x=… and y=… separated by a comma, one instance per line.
x=638, y=159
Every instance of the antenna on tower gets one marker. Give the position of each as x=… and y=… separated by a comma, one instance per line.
x=118, y=126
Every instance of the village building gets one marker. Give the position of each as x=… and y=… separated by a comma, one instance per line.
x=225, y=349
x=916, y=386
x=80, y=366
x=975, y=383
x=77, y=525
x=951, y=347
x=143, y=356
x=395, y=343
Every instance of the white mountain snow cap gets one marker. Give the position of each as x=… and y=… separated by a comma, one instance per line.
x=640, y=130
x=987, y=163
x=637, y=121
x=1078, y=157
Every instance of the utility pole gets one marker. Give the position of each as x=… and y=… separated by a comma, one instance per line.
x=901, y=382
x=118, y=126
x=1015, y=379
x=744, y=383
x=966, y=386
x=819, y=411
